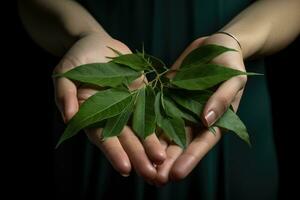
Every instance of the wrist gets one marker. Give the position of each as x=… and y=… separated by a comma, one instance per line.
x=251, y=40
x=95, y=33
x=224, y=40
x=230, y=35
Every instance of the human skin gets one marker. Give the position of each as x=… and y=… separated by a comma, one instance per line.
x=263, y=28
x=66, y=29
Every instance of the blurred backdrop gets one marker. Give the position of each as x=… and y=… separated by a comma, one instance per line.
x=28, y=112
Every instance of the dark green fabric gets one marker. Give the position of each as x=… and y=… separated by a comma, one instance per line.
x=232, y=170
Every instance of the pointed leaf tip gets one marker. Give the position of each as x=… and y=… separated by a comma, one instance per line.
x=115, y=51
x=204, y=54
x=101, y=106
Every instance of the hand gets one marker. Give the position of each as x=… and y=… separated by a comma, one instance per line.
x=124, y=151
x=179, y=163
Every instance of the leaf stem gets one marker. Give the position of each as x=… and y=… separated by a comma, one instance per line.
x=148, y=72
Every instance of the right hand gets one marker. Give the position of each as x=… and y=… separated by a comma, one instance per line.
x=125, y=151
x=180, y=163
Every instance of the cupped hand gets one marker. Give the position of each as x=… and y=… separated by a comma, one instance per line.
x=125, y=151
x=179, y=163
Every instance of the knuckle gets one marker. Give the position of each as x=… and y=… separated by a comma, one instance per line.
x=159, y=157
x=242, y=80
x=154, y=150
x=83, y=97
x=196, y=43
x=147, y=172
x=60, y=96
x=206, y=144
x=223, y=103
x=68, y=91
x=161, y=179
x=178, y=174
x=156, y=157
x=84, y=93
x=66, y=64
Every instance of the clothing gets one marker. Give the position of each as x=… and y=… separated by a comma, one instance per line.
x=230, y=171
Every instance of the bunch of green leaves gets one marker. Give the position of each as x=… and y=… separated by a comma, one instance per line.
x=160, y=103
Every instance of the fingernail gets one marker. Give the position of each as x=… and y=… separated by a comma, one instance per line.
x=125, y=175
x=210, y=118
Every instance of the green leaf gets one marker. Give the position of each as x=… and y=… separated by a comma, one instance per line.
x=143, y=122
x=212, y=130
x=173, y=111
x=104, y=104
x=101, y=74
x=204, y=76
x=129, y=79
x=156, y=63
x=115, y=125
x=178, y=101
x=100, y=124
x=133, y=61
x=115, y=51
x=193, y=104
x=173, y=127
x=203, y=54
x=232, y=122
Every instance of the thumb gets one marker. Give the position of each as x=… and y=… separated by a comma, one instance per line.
x=66, y=98
x=65, y=89
x=219, y=102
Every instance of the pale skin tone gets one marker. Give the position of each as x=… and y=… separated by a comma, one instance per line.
x=66, y=29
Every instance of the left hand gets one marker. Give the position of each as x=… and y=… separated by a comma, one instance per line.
x=125, y=151
x=179, y=163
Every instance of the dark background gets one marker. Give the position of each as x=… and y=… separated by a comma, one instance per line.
x=28, y=110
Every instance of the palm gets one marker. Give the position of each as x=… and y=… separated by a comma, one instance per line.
x=125, y=151
x=180, y=163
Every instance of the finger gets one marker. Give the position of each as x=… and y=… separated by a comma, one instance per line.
x=66, y=97
x=138, y=83
x=236, y=101
x=196, y=150
x=154, y=149
x=137, y=154
x=65, y=89
x=85, y=92
x=164, y=142
x=173, y=152
x=221, y=99
x=112, y=149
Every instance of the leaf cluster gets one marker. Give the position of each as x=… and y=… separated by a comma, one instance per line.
x=160, y=103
